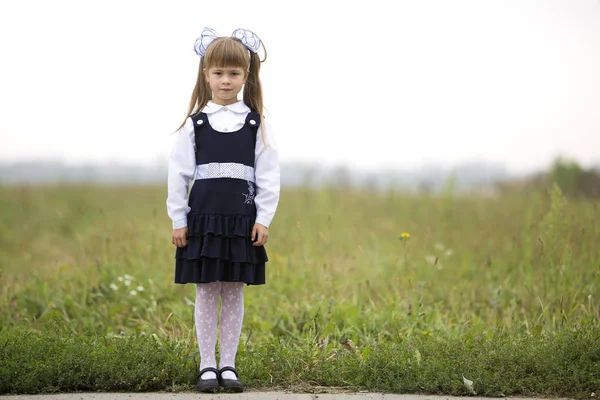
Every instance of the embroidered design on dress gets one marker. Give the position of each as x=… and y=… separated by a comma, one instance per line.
x=250, y=195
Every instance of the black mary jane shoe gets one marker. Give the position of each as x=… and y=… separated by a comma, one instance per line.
x=208, y=385
x=230, y=384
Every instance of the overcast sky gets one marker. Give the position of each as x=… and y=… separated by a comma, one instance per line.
x=374, y=84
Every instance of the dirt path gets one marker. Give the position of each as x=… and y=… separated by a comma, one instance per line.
x=240, y=396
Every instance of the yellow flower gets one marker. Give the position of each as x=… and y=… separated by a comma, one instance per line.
x=405, y=235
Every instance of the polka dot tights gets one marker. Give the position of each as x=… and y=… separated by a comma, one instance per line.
x=232, y=315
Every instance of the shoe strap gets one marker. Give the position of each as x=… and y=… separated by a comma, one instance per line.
x=209, y=369
x=229, y=369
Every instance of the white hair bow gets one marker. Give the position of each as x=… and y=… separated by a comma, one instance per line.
x=248, y=39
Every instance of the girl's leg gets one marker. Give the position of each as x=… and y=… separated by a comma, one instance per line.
x=206, y=315
x=232, y=315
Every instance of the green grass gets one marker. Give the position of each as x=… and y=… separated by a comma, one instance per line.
x=502, y=289
x=499, y=364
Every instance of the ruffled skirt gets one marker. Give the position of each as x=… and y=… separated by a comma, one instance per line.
x=219, y=247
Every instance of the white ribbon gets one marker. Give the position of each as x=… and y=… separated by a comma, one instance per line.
x=248, y=39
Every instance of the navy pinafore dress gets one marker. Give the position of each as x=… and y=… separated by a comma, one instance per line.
x=223, y=212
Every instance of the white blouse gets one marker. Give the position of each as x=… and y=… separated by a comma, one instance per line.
x=182, y=163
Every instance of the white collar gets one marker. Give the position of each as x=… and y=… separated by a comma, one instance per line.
x=240, y=107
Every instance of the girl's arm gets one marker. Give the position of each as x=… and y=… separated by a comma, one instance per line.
x=266, y=164
x=182, y=168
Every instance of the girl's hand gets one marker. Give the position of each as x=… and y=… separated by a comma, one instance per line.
x=179, y=237
x=260, y=235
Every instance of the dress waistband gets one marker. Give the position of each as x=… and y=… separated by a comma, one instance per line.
x=225, y=170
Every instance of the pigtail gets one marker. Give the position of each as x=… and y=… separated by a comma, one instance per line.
x=253, y=90
x=200, y=95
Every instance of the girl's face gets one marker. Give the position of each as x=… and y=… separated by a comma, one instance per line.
x=225, y=83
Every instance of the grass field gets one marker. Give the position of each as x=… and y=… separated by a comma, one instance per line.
x=479, y=273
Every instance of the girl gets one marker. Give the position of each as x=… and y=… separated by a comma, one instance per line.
x=225, y=146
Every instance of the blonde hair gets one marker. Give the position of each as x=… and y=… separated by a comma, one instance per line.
x=229, y=52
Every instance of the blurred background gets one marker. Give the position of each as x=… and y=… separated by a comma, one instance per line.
x=440, y=163
x=404, y=94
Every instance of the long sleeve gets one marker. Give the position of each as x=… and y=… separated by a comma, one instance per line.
x=267, y=176
x=182, y=168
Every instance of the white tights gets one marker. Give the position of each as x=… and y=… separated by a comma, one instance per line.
x=232, y=315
